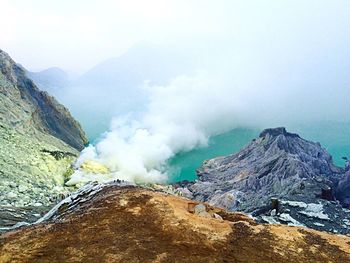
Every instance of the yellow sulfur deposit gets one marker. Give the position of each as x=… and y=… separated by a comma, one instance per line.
x=91, y=166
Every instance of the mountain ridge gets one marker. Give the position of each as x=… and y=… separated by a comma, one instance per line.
x=51, y=79
x=42, y=110
x=282, y=166
x=39, y=141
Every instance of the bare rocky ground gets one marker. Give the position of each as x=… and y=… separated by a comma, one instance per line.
x=32, y=176
x=114, y=223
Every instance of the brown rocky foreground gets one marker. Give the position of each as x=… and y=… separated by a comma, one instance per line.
x=130, y=224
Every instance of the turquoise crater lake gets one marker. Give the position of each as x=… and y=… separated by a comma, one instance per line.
x=333, y=136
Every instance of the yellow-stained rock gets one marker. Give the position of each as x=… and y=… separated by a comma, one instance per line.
x=91, y=166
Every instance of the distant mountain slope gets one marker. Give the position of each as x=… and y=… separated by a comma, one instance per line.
x=50, y=79
x=142, y=62
x=23, y=106
x=115, y=86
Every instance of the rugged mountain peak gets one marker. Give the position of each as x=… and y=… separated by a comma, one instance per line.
x=24, y=107
x=277, y=165
x=278, y=143
x=274, y=132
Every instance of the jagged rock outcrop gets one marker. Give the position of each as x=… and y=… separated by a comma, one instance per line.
x=113, y=223
x=342, y=189
x=272, y=170
x=39, y=140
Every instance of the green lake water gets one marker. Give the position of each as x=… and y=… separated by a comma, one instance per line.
x=332, y=136
x=184, y=165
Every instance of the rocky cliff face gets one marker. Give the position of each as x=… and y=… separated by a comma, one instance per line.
x=279, y=178
x=342, y=188
x=25, y=107
x=39, y=140
x=113, y=223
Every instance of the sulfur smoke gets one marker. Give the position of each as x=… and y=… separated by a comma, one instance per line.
x=179, y=117
x=259, y=66
x=183, y=114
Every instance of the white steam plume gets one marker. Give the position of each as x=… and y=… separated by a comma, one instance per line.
x=179, y=117
x=182, y=115
x=237, y=89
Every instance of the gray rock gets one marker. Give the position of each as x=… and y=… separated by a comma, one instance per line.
x=22, y=188
x=12, y=217
x=199, y=208
x=315, y=210
x=273, y=212
x=23, y=105
x=204, y=214
x=289, y=220
x=185, y=192
x=298, y=174
x=269, y=220
x=295, y=204
x=319, y=224
x=11, y=195
x=343, y=189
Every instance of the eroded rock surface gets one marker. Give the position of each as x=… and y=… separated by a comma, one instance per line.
x=278, y=166
x=113, y=223
x=39, y=140
x=26, y=108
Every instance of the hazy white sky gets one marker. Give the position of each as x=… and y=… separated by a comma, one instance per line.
x=77, y=34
